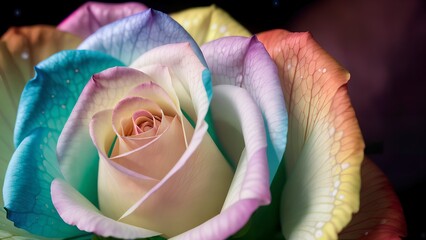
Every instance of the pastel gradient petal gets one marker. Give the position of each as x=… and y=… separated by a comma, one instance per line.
x=26, y=190
x=233, y=108
x=29, y=45
x=209, y=23
x=77, y=210
x=325, y=146
x=75, y=147
x=46, y=103
x=186, y=72
x=128, y=38
x=91, y=16
x=245, y=63
x=380, y=215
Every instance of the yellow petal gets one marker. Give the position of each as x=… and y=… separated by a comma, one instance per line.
x=325, y=147
x=209, y=23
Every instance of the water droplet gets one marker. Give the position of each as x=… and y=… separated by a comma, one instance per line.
x=67, y=81
x=319, y=225
x=336, y=184
x=76, y=70
x=63, y=106
x=288, y=66
x=186, y=23
x=222, y=29
x=52, y=96
x=324, y=70
x=345, y=165
x=341, y=197
x=318, y=233
x=25, y=55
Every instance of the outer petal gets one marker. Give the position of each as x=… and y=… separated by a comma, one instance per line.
x=20, y=49
x=91, y=16
x=30, y=45
x=46, y=102
x=325, y=146
x=26, y=189
x=244, y=62
x=209, y=23
x=380, y=215
x=233, y=108
x=78, y=211
x=128, y=38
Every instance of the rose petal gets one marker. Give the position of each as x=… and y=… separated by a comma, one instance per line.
x=325, y=146
x=209, y=23
x=29, y=45
x=234, y=108
x=91, y=16
x=186, y=196
x=128, y=38
x=145, y=158
x=380, y=215
x=244, y=62
x=101, y=92
x=186, y=72
x=112, y=177
x=76, y=210
x=26, y=190
x=46, y=102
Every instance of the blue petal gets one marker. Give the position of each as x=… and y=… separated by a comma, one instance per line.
x=26, y=190
x=46, y=103
x=47, y=99
x=128, y=38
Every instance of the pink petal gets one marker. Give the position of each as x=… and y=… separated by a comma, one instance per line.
x=77, y=210
x=93, y=15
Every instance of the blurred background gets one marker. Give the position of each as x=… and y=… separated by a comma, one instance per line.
x=382, y=43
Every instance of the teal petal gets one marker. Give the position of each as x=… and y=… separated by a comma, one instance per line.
x=128, y=38
x=26, y=190
x=46, y=103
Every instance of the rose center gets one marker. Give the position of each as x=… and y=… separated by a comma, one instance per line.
x=143, y=121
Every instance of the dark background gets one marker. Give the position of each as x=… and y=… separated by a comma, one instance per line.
x=381, y=42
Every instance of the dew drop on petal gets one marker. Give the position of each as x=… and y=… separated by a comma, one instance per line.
x=25, y=55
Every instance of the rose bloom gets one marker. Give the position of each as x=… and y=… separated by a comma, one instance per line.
x=182, y=126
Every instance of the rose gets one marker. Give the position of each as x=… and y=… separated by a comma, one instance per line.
x=361, y=214
x=179, y=81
